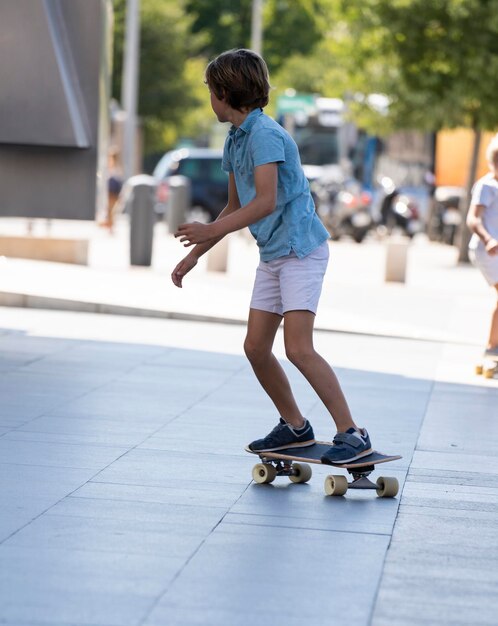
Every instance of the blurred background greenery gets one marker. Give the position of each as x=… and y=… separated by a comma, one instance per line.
x=437, y=61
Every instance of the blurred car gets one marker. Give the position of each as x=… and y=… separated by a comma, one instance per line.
x=209, y=183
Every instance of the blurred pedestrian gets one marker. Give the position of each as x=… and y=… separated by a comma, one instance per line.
x=482, y=220
x=268, y=192
x=114, y=186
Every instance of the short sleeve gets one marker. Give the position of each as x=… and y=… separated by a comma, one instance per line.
x=267, y=147
x=226, y=164
x=482, y=193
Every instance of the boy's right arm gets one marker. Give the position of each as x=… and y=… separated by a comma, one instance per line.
x=190, y=261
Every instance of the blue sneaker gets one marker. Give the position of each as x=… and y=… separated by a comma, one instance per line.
x=491, y=353
x=348, y=446
x=284, y=436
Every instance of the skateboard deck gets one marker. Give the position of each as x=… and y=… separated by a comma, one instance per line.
x=292, y=462
x=488, y=367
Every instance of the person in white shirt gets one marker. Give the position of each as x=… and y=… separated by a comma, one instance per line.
x=482, y=220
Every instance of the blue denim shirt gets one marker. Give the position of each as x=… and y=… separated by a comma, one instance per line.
x=293, y=225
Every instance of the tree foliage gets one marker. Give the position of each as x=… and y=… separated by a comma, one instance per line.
x=437, y=61
x=220, y=24
x=167, y=86
x=290, y=26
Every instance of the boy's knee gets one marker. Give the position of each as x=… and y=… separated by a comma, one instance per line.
x=254, y=352
x=298, y=356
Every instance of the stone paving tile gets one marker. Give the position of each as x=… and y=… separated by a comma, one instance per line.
x=201, y=359
x=29, y=480
x=456, y=496
x=257, y=571
x=52, y=622
x=447, y=563
x=461, y=462
x=157, y=534
x=82, y=431
x=57, y=454
x=441, y=564
x=175, y=615
x=109, y=535
x=169, y=514
x=26, y=407
x=181, y=492
x=53, y=570
x=211, y=434
x=79, y=608
x=158, y=468
x=287, y=504
x=105, y=405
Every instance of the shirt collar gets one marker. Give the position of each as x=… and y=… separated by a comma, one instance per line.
x=248, y=123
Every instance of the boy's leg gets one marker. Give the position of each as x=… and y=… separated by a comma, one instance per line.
x=261, y=330
x=298, y=337
x=493, y=331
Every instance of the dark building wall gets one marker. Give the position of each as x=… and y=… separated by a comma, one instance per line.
x=53, y=106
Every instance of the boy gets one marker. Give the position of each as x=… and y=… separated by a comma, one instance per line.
x=482, y=220
x=268, y=192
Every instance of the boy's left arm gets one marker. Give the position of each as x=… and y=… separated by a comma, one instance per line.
x=265, y=182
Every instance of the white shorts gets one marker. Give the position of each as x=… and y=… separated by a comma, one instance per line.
x=486, y=263
x=290, y=283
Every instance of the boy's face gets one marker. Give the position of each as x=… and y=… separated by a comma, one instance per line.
x=219, y=107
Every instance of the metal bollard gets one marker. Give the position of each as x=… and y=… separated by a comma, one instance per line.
x=178, y=202
x=140, y=205
x=396, y=259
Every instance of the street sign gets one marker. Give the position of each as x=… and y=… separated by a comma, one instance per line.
x=298, y=103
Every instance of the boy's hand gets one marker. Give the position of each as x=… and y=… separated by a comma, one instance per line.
x=492, y=247
x=185, y=265
x=194, y=233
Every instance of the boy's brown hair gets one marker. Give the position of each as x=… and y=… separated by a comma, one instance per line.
x=240, y=77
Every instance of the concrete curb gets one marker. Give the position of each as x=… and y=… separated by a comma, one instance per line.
x=30, y=301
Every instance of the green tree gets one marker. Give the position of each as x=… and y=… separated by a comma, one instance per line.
x=436, y=61
x=168, y=88
x=220, y=24
x=289, y=26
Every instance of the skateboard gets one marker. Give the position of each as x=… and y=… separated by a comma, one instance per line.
x=489, y=366
x=293, y=462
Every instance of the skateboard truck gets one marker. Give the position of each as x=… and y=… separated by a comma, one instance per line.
x=269, y=469
x=361, y=480
x=284, y=463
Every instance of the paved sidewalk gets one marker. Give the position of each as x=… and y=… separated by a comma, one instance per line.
x=109, y=519
x=439, y=301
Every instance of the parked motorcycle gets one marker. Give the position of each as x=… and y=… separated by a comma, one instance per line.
x=397, y=210
x=343, y=207
x=446, y=217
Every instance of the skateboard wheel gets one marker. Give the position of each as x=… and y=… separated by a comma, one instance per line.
x=303, y=473
x=479, y=369
x=387, y=487
x=263, y=473
x=489, y=373
x=336, y=485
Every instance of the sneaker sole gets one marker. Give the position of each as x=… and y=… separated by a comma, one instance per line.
x=289, y=446
x=326, y=461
